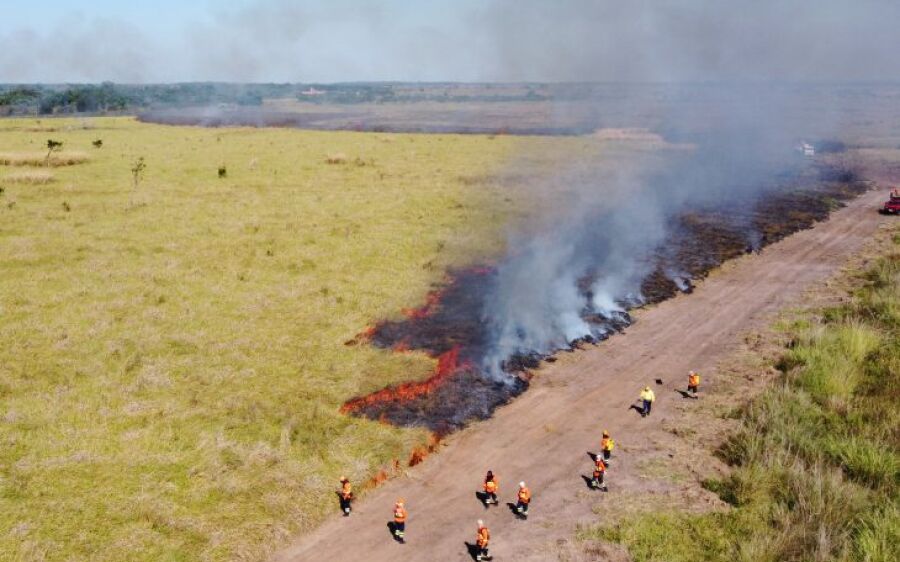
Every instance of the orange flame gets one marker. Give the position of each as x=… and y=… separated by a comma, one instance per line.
x=364, y=336
x=448, y=363
x=431, y=300
x=421, y=452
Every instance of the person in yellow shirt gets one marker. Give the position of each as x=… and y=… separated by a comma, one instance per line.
x=606, y=446
x=647, y=400
x=693, y=384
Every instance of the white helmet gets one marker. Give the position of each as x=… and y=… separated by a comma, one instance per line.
x=521, y=484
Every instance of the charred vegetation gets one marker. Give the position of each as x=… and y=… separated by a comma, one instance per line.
x=451, y=325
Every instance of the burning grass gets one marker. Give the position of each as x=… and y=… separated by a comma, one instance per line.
x=451, y=323
x=199, y=401
x=38, y=159
x=192, y=346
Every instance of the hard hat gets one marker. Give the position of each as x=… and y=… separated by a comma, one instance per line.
x=646, y=388
x=480, y=523
x=399, y=501
x=691, y=372
x=605, y=433
x=521, y=484
x=343, y=478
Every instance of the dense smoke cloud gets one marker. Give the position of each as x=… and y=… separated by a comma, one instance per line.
x=593, y=250
x=465, y=40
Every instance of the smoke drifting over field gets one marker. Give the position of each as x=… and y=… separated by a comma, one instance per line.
x=460, y=40
x=593, y=254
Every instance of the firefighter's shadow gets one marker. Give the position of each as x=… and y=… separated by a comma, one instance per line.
x=686, y=394
x=392, y=529
x=588, y=481
x=483, y=497
x=514, y=509
x=637, y=409
x=473, y=550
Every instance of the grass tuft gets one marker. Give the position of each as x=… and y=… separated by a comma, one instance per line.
x=37, y=159
x=36, y=177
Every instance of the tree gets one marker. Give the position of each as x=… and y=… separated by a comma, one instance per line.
x=52, y=146
x=137, y=174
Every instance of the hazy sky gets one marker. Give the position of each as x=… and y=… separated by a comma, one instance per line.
x=459, y=40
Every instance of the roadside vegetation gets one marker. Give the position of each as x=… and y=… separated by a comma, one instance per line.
x=816, y=464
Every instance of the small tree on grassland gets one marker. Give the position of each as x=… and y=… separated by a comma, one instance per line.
x=137, y=174
x=52, y=146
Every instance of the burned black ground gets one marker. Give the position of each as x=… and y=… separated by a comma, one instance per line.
x=702, y=239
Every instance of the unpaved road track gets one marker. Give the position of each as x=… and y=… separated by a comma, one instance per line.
x=543, y=435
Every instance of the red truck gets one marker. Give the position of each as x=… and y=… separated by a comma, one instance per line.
x=892, y=205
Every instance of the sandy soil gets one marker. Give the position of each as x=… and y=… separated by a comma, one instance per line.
x=543, y=436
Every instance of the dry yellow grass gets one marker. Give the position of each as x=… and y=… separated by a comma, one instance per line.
x=172, y=370
x=56, y=160
x=337, y=158
x=32, y=177
x=173, y=358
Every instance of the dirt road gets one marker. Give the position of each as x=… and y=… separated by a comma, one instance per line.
x=542, y=437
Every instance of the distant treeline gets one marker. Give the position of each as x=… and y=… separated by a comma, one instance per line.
x=109, y=97
x=42, y=99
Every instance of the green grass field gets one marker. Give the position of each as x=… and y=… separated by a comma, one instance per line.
x=817, y=462
x=173, y=358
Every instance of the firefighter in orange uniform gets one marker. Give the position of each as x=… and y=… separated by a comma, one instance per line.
x=524, y=499
x=400, y=521
x=597, y=481
x=491, y=487
x=346, y=496
x=481, y=541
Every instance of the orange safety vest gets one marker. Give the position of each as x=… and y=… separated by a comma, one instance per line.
x=694, y=380
x=346, y=491
x=399, y=515
x=490, y=486
x=524, y=495
x=607, y=444
x=599, y=467
x=483, y=537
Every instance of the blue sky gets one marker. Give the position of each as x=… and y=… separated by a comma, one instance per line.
x=459, y=40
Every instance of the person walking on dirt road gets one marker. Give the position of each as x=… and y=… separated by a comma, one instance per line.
x=524, y=498
x=693, y=384
x=606, y=447
x=597, y=482
x=400, y=521
x=346, y=496
x=491, y=487
x=647, y=399
x=481, y=542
